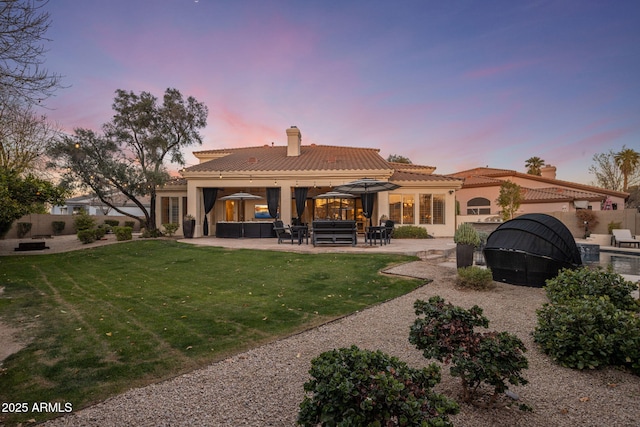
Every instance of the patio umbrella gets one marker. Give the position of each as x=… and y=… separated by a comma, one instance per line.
x=333, y=195
x=366, y=187
x=242, y=197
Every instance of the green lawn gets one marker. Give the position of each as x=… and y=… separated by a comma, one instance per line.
x=102, y=320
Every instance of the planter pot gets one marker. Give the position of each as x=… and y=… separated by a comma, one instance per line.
x=188, y=227
x=464, y=255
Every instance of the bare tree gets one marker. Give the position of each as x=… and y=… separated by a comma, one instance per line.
x=606, y=171
x=24, y=138
x=23, y=24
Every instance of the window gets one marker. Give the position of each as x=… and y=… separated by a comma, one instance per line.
x=432, y=209
x=478, y=206
x=401, y=208
x=170, y=210
x=395, y=208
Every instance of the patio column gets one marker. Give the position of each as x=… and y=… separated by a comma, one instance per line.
x=194, y=200
x=382, y=205
x=285, y=203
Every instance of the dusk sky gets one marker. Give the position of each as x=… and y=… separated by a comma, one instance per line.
x=451, y=84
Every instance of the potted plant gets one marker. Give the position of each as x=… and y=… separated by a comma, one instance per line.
x=466, y=238
x=188, y=226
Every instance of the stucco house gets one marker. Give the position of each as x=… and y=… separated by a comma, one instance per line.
x=542, y=194
x=92, y=205
x=281, y=174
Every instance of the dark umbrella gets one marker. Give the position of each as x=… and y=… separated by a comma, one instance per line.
x=366, y=187
x=242, y=197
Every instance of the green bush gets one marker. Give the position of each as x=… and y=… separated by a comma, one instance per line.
x=353, y=387
x=466, y=234
x=171, y=228
x=100, y=231
x=589, y=332
x=571, y=284
x=86, y=236
x=112, y=222
x=151, y=234
x=410, y=232
x=446, y=333
x=130, y=224
x=58, y=227
x=83, y=221
x=613, y=226
x=122, y=233
x=475, y=278
x=23, y=229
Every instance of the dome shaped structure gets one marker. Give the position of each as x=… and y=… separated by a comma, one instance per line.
x=530, y=249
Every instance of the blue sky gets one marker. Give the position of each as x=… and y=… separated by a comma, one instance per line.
x=451, y=84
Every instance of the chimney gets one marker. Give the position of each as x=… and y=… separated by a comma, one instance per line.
x=548, y=172
x=294, y=139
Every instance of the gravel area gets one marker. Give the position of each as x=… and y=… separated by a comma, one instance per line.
x=263, y=387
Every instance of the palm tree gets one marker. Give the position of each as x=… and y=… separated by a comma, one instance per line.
x=628, y=161
x=534, y=165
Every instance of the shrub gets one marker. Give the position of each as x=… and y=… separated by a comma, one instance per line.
x=584, y=281
x=466, y=234
x=613, y=226
x=589, y=332
x=112, y=222
x=410, y=232
x=589, y=217
x=84, y=221
x=446, y=333
x=23, y=229
x=122, y=233
x=99, y=232
x=475, y=278
x=354, y=387
x=58, y=227
x=150, y=234
x=170, y=228
x=130, y=224
x=86, y=236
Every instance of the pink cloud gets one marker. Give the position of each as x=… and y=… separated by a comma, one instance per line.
x=497, y=70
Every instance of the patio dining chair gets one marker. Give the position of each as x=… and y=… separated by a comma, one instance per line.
x=283, y=232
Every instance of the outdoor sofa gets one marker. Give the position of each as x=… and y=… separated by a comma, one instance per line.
x=334, y=233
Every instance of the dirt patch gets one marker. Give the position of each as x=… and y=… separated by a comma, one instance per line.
x=10, y=339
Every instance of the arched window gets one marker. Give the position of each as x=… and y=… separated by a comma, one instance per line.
x=478, y=206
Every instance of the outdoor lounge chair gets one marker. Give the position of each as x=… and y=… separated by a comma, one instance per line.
x=623, y=236
x=283, y=232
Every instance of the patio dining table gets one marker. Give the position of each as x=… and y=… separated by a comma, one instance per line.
x=300, y=232
x=373, y=233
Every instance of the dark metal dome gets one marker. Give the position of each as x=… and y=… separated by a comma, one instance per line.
x=530, y=249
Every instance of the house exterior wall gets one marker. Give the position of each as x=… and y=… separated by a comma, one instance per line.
x=492, y=192
x=257, y=186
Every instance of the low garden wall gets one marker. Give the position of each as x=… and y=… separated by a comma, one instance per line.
x=626, y=218
x=42, y=224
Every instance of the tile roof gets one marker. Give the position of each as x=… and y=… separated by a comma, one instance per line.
x=400, y=175
x=482, y=177
x=274, y=158
x=557, y=194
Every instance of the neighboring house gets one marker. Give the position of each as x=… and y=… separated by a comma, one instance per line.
x=284, y=172
x=94, y=206
x=542, y=194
